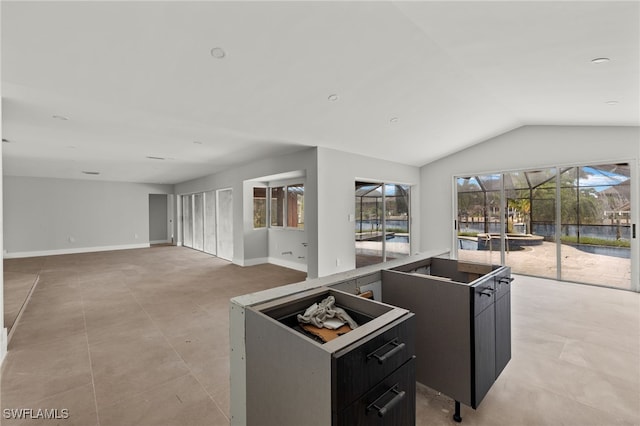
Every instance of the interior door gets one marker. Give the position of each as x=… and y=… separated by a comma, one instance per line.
x=187, y=220
x=224, y=223
x=198, y=221
x=210, y=222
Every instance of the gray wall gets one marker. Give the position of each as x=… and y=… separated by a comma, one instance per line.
x=337, y=174
x=249, y=245
x=49, y=216
x=329, y=181
x=158, y=218
x=524, y=148
x=256, y=248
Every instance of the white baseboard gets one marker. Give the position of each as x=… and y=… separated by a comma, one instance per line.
x=302, y=267
x=160, y=242
x=16, y=255
x=273, y=260
x=255, y=261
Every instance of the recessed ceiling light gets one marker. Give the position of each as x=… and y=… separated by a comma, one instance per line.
x=600, y=60
x=155, y=158
x=612, y=103
x=333, y=97
x=218, y=52
x=60, y=117
x=197, y=142
x=90, y=173
x=394, y=120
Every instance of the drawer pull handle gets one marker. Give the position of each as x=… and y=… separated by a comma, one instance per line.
x=397, y=347
x=505, y=280
x=399, y=395
x=487, y=291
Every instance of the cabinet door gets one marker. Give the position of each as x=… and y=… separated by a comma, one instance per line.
x=392, y=402
x=485, y=353
x=503, y=332
x=368, y=363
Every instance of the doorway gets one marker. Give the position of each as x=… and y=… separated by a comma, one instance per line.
x=570, y=223
x=158, y=219
x=382, y=222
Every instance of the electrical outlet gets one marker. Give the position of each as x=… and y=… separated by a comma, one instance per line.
x=337, y=261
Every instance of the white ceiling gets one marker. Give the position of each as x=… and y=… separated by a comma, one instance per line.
x=136, y=79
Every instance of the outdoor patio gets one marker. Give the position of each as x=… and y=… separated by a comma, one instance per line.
x=577, y=265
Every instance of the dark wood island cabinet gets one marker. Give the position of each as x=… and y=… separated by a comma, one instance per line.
x=364, y=377
x=463, y=323
x=433, y=320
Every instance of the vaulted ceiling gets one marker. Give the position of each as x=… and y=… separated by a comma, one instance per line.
x=203, y=86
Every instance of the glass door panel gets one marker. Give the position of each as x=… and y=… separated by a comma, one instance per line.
x=369, y=215
x=396, y=217
x=210, y=222
x=530, y=210
x=596, y=225
x=478, y=218
x=187, y=220
x=198, y=221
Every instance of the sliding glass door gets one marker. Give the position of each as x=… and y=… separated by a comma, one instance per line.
x=567, y=223
x=382, y=225
x=479, y=219
x=530, y=215
x=596, y=224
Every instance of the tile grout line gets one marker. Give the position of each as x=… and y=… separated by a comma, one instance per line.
x=86, y=336
x=142, y=392
x=177, y=353
x=577, y=401
x=16, y=321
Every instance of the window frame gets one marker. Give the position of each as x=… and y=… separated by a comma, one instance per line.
x=285, y=205
x=265, y=207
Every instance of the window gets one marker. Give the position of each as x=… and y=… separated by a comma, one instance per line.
x=285, y=206
x=277, y=206
x=259, y=207
x=295, y=206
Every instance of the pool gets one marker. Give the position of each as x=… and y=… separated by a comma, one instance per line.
x=398, y=239
x=622, y=252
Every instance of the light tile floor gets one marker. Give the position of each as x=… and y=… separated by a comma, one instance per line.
x=140, y=337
